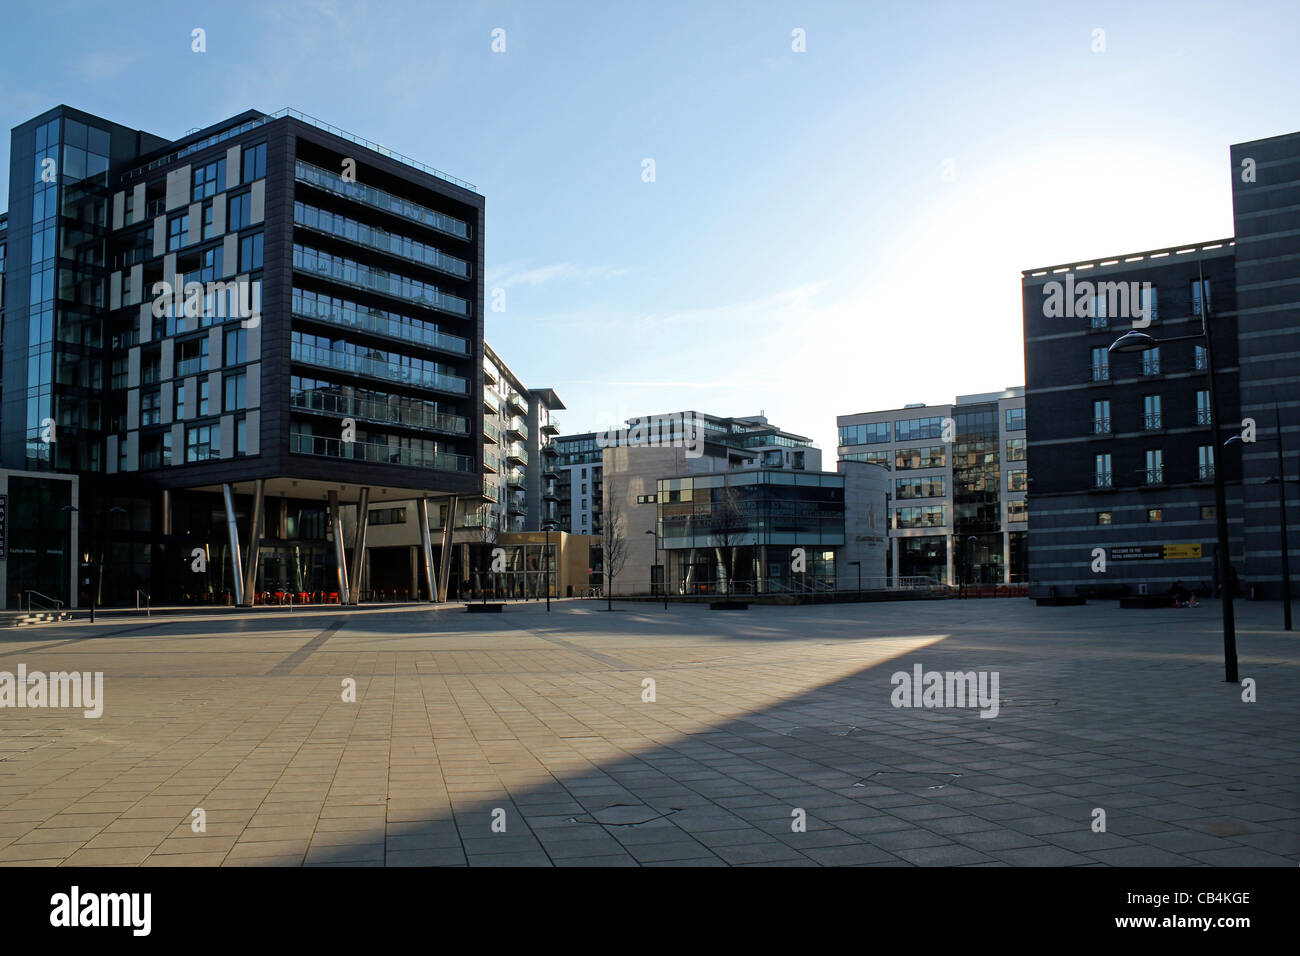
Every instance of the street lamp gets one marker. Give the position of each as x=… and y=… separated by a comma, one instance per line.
x=1135, y=341
x=663, y=571
x=547, y=526
x=96, y=567
x=1280, y=480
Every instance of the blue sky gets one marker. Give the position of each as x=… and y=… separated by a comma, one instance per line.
x=800, y=250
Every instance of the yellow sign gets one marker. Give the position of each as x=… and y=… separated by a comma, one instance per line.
x=1182, y=552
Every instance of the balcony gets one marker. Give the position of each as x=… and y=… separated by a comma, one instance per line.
x=517, y=402
x=333, y=183
x=489, y=490
x=517, y=453
x=378, y=322
x=491, y=461
x=491, y=433
x=491, y=401
x=1202, y=416
x=1205, y=472
x=1101, y=373
x=1101, y=426
x=1155, y=476
x=1151, y=367
x=516, y=478
x=516, y=428
x=377, y=452
x=549, y=494
x=373, y=368
x=1098, y=322
x=1102, y=479
x=415, y=414
x=359, y=276
x=1151, y=421
x=490, y=373
x=551, y=427
x=373, y=237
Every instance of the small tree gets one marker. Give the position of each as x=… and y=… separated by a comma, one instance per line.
x=729, y=526
x=613, y=539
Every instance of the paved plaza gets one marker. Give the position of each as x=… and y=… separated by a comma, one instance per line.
x=530, y=738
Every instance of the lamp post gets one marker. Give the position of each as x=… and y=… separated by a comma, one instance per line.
x=1280, y=480
x=96, y=566
x=663, y=571
x=1135, y=341
x=547, y=526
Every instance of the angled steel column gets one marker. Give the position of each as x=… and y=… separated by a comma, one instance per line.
x=422, y=515
x=444, y=563
x=254, y=541
x=359, y=544
x=236, y=562
x=340, y=550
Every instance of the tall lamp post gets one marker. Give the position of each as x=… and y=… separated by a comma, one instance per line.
x=96, y=566
x=1135, y=341
x=1280, y=480
x=663, y=571
x=547, y=526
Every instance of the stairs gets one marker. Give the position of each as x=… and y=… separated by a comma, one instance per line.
x=29, y=618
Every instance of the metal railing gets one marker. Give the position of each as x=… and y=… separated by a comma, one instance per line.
x=147, y=601
x=1101, y=373
x=1101, y=426
x=47, y=603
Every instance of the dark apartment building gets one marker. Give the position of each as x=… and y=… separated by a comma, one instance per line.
x=1124, y=458
x=227, y=338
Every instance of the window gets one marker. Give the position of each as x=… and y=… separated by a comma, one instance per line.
x=129, y=217
x=192, y=356
x=1104, y=517
x=927, y=456
x=1018, y=510
x=250, y=252
x=934, y=486
x=1149, y=308
x=584, y=504
x=584, y=472
x=1097, y=313
x=1155, y=514
x=1151, y=412
x=1207, y=512
x=1101, y=471
x=1016, y=449
x=1202, y=360
x=1015, y=419
x=1100, y=365
x=868, y=434
x=180, y=403
x=1198, y=292
x=202, y=442
x=1203, y=406
x=151, y=407
x=178, y=232
x=239, y=212
x=235, y=351
x=881, y=458
x=913, y=428
x=646, y=499
x=208, y=231
x=391, y=516
x=584, y=489
x=235, y=398
x=924, y=516
x=209, y=179
x=203, y=396
x=1101, y=417
x=1016, y=480
x=1205, y=462
x=254, y=162
x=210, y=264
x=1155, y=466
x=1151, y=361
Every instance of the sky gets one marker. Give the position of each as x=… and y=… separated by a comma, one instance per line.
x=829, y=230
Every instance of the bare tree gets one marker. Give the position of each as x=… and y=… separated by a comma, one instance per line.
x=613, y=539
x=729, y=526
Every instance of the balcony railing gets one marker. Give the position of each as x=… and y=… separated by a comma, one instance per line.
x=379, y=322
x=491, y=432
x=491, y=401
x=384, y=371
x=515, y=477
x=1099, y=322
x=1151, y=421
x=1205, y=472
x=359, y=276
x=1101, y=426
x=373, y=237
x=421, y=415
x=1155, y=476
x=1151, y=367
x=1202, y=416
x=335, y=183
x=191, y=366
x=1101, y=373
x=1102, y=479
x=491, y=460
x=378, y=452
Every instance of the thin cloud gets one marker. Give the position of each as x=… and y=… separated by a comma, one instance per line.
x=515, y=274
